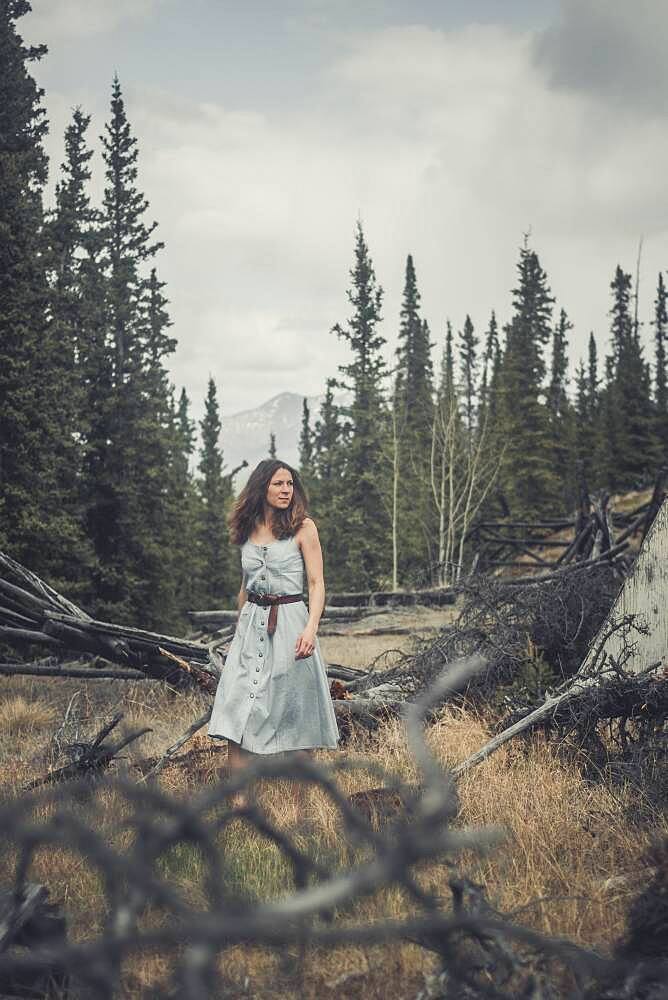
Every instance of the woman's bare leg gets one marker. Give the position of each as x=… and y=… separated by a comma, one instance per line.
x=237, y=759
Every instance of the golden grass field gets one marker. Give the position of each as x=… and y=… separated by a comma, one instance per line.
x=571, y=859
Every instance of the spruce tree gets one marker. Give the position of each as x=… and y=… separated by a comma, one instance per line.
x=491, y=352
x=468, y=364
x=561, y=413
x=186, y=509
x=367, y=527
x=218, y=580
x=411, y=428
x=272, y=445
x=38, y=520
x=327, y=500
x=306, y=448
x=528, y=479
x=629, y=413
x=130, y=440
x=660, y=379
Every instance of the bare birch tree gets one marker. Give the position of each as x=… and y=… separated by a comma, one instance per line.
x=463, y=471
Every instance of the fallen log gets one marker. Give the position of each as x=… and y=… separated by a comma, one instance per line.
x=394, y=598
x=225, y=616
x=54, y=621
x=71, y=670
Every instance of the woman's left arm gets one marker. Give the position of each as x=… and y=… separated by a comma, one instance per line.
x=307, y=536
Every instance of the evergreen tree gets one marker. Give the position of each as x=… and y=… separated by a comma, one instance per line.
x=272, y=445
x=37, y=518
x=468, y=363
x=660, y=380
x=561, y=413
x=410, y=435
x=305, y=438
x=218, y=581
x=491, y=353
x=129, y=442
x=628, y=410
x=187, y=509
x=367, y=528
x=306, y=449
x=528, y=479
x=327, y=501
x=593, y=381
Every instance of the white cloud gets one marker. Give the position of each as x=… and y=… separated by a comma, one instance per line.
x=450, y=144
x=53, y=19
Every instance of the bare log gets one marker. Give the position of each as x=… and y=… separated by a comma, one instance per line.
x=71, y=670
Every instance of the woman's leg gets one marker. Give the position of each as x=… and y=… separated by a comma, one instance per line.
x=237, y=759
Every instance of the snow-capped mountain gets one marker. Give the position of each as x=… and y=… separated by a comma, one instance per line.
x=245, y=435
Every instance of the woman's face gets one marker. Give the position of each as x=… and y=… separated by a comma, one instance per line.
x=280, y=489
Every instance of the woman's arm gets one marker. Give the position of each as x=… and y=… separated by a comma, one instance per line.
x=242, y=598
x=308, y=540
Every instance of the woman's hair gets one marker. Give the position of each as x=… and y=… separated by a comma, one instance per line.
x=249, y=506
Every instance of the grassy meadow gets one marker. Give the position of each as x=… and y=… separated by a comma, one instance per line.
x=570, y=863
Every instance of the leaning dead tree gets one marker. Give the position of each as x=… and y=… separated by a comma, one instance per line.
x=624, y=674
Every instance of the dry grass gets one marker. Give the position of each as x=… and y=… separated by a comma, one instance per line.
x=571, y=844
x=20, y=717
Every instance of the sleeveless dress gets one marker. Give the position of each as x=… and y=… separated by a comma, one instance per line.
x=266, y=700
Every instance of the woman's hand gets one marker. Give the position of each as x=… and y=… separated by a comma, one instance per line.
x=305, y=643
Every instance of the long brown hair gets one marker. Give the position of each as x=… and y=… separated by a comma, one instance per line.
x=249, y=507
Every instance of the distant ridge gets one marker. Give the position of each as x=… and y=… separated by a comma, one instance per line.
x=246, y=434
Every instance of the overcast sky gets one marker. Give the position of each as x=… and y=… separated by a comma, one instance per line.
x=451, y=128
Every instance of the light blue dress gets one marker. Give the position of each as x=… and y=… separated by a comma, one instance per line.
x=266, y=700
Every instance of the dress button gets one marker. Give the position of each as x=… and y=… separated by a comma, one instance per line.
x=254, y=682
x=257, y=670
x=261, y=638
x=260, y=653
x=261, y=623
x=252, y=695
x=263, y=578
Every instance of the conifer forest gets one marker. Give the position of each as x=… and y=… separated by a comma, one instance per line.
x=108, y=488
x=411, y=871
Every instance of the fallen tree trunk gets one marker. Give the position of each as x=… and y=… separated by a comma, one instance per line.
x=51, y=620
x=70, y=670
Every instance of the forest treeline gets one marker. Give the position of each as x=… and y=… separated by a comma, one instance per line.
x=110, y=490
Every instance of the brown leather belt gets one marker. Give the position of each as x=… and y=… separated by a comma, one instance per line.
x=272, y=601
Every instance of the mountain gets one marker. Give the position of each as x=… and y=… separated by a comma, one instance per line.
x=246, y=434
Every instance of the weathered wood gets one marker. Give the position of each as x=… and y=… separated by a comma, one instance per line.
x=72, y=670
x=225, y=616
x=388, y=598
x=23, y=635
x=93, y=758
x=643, y=596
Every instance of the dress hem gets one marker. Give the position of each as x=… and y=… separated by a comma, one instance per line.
x=268, y=753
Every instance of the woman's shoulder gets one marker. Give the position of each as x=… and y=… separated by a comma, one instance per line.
x=307, y=529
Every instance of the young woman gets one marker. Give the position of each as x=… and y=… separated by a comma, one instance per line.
x=273, y=695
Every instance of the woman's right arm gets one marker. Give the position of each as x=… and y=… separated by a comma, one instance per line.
x=242, y=598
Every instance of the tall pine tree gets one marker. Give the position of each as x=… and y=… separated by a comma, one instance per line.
x=528, y=479
x=660, y=374
x=38, y=520
x=410, y=435
x=366, y=561
x=219, y=577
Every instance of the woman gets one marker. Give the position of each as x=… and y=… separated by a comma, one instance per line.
x=273, y=695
